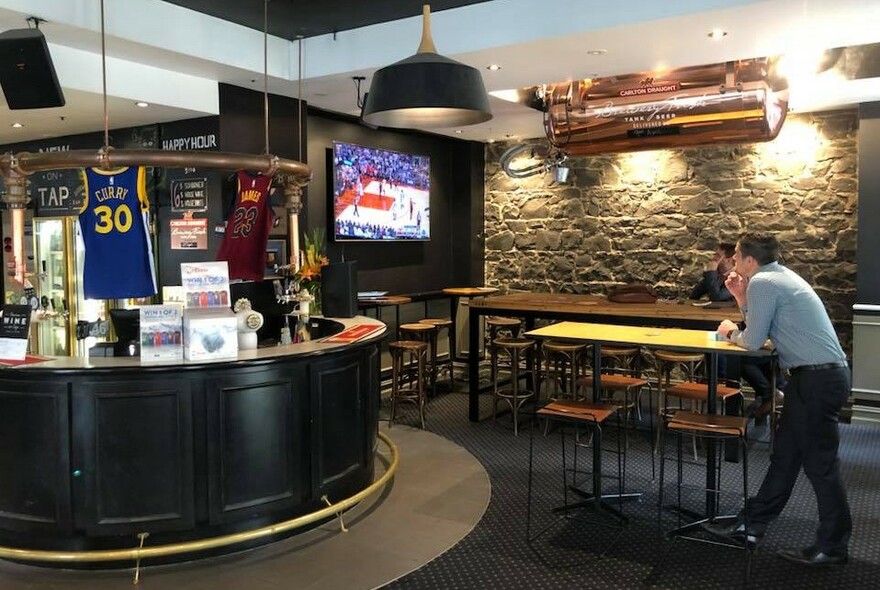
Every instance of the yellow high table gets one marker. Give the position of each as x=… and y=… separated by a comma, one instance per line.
x=699, y=341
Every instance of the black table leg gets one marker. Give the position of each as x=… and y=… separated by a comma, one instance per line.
x=473, y=366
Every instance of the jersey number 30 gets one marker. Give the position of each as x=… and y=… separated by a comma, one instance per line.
x=110, y=220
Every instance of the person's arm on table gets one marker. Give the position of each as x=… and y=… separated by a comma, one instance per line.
x=760, y=300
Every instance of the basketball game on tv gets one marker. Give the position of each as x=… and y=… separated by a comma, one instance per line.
x=380, y=194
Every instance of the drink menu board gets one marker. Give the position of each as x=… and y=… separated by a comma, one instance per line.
x=205, y=284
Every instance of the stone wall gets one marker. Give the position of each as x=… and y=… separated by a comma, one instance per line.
x=656, y=216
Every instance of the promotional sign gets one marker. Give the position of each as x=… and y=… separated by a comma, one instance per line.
x=161, y=333
x=205, y=284
x=189, y=234
x=14, y=327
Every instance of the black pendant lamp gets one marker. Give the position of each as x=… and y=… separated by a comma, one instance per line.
x=426, y=90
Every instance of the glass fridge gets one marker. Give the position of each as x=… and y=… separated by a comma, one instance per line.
x=58, y=261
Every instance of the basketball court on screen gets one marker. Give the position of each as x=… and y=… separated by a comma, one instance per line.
x=396, y=206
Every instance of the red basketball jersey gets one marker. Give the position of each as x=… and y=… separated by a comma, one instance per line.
x=247, y=229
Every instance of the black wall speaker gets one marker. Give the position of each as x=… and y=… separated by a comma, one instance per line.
x=26, y=71
x=339, y=290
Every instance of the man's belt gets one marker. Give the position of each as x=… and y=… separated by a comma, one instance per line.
x=822, y=367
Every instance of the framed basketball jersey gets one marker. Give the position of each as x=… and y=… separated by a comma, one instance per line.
x=114, y=224
x=247, y=228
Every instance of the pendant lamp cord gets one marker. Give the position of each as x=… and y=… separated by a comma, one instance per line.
x=266, y=72
x=104, y=80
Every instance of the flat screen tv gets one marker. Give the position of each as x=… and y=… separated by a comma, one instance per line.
x=380, y=195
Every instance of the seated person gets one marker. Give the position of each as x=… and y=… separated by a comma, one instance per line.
x=712, y=283
x=754, y=370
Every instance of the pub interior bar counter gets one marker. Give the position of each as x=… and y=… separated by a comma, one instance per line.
x=106, y=448
x=593, y=308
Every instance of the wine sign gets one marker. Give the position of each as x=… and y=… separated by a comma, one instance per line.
x=14, y=328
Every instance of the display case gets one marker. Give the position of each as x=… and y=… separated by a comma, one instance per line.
x=58, y=262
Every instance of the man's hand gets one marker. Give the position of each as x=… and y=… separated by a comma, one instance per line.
x=725, y=327
x=737, y=285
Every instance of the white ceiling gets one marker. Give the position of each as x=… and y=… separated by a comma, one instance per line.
x=173, y=57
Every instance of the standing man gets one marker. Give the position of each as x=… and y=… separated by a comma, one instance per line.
x=779, y=304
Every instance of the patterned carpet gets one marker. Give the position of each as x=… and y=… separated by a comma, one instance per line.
x=495, y=554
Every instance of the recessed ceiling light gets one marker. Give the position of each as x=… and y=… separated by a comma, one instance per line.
x=597, y=51
x=493, y=67
x=142, y=104
x=490, y=140
x=717, y=34
x=459, y=131
x=17, y=125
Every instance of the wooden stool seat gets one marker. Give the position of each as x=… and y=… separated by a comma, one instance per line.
x=518, y=343
x=561, y=346
x=674, y=356
x=609, y=350
x=438, y=322
x=692, y=390
x=579, y=411
x=416, y=327
x=612, y=381
x=411, y=345
x=712, y=423
x=501, y=322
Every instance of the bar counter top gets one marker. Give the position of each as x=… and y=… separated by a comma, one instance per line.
x=253, y=356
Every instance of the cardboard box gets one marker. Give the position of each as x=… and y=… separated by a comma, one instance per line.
x=209, y=334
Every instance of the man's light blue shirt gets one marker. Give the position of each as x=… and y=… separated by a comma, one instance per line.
x=782, y=306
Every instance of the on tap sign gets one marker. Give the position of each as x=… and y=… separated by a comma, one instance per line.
x=57, y=192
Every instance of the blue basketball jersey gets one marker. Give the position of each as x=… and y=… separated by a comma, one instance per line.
x=114, y=222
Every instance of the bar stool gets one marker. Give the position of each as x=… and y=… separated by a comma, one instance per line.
x=426, y=333
x=495, y=326
x=408, y=361
x=443, y=324
x=668, y=361
x=592, y=416
x=563, y=365
x=516, y=349
x=625, y=360
x=611, y=382
x=713, y=429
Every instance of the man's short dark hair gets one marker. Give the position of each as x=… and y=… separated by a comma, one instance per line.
x=761, y=247
x=727, y=248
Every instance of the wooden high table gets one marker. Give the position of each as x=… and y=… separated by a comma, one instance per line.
x=679, y=339
x=366, y=303
x=592, y=308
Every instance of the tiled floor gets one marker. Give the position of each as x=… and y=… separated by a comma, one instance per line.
x=438, y=495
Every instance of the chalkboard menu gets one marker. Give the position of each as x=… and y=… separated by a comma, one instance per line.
x=189, y=194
